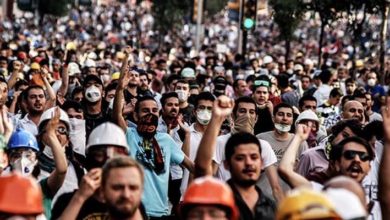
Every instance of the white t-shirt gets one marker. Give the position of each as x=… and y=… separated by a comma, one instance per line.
x=267, y=155
x=194, y=146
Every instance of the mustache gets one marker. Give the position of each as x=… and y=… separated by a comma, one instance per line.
x=247, y=170
x=357, y=167
x=173, y=110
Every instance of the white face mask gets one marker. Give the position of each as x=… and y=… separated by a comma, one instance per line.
x=371, y=82
x=282, y=128
x=24, y=165
x=183, y=95
x=92, y=94
x=49, y=153
x=77, y=135
x=203, y=117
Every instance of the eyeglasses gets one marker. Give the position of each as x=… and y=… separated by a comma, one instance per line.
x=62, y=130
x=351, y=154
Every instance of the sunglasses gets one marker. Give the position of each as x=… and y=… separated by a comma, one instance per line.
x=351, y=154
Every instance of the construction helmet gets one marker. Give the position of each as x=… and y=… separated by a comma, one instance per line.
x=48, y=114
x=22, y=139
x=73, y=69
x=115, y=75
x=209, y=191
x=20, y=195
x=306, y=204
x=107, y=134
x=35, y=66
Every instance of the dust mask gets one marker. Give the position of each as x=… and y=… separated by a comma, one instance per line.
x=282, y=127
x=24, y=165
x=182, y=95
x=371, y=82
x=92, y=94
x=203, y=117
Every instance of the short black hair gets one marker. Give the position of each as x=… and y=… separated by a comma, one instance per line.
x=27, y=91
x=353, y=124
x=325, y=76
x=243, y=99
x=20, y=83
x=337, y=150
x=239, y=138
x=142, y=99
x=335, y=92
x=203, y=96
x=110, y=87
x=166, y=96
x=76, y=90
x=373, y=129
x=306, y=98
x=350, y=80
x=171, y=78
x=68, y=104
x=283, y=80
x=282, y=105
x=235, y=83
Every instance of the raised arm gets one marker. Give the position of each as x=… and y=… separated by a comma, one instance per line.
x=222, y=108
x=287, y=164
x=51, y=101
x=89, y=184
x=65, y=81
x=119, y=97
x=384, y=169
x=57, y=177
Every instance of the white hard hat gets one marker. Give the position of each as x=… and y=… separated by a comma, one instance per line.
x=73, y=68
x=298, y=67
x=89, y=63
x=92, y=56
x=48, y=114
x=307, y=115
x=346, y=203
x=107, y=134
x=267, y=60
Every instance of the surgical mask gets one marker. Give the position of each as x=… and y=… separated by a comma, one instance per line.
x=282, y=128
x=92, y=94
x=203, y=117
x=244, y=123
x=183, y=96
x=371, y=82
x=24, y=165
x=49, y=153
x=77, y=135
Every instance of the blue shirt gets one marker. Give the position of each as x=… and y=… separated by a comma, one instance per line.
x=155, y=196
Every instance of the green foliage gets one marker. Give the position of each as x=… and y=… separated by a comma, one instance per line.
x=214, y=6
x=287, y=14
x=54, y=7
x=170, y=13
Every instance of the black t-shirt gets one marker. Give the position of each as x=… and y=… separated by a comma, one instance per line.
x=264, y=209
x=187, y=113
x=264, y=121
x=91, y=209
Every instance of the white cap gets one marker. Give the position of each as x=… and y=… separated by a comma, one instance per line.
x=267, y=60
x=307, y=115
x=73, y=68
x=107, y=134
x=298, y=67
x=346, y=203
x=92, y=56
x=49, y=114
x=308, y=61
x=89, y=63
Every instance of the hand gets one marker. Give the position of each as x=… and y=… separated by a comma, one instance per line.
x=6, y=127
x=302, y=131
x=183, y=126
x=16, y=95
x=223, y=106
x=44, y=73
x=50, y=130
x=386, y=119
x=90, y=183
x=128, y=50
x=129, y=107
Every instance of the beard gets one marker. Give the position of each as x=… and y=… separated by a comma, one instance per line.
x=245, y=183
x=117, y=213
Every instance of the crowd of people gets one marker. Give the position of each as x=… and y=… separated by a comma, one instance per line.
x=103, y=118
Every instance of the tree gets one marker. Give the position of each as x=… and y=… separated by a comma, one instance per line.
x=328, y=11
x=287, y=14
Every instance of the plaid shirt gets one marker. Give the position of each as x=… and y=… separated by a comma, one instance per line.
x=331, y=120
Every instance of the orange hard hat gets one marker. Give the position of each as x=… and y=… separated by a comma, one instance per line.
x=209, y=191
x=20, y=195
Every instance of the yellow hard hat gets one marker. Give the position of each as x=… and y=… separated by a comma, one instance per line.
x=35, y=66
x=359, y=63
x=306, y=204
x=115, y=75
